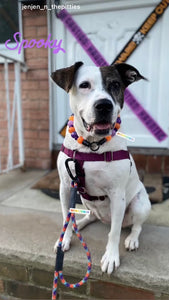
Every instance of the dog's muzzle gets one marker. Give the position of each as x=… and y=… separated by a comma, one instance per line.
x=103, y=110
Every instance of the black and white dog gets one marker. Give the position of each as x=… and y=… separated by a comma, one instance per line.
x=113, y=185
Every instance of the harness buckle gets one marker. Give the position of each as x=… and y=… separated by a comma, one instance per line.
x=108, y=156
x=74, y=155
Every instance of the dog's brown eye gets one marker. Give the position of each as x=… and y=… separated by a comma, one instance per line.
x=85, y=85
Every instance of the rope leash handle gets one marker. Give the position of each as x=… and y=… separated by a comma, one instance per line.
x=59, y=259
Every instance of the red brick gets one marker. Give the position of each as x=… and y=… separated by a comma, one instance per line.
x=36, y=124
x=11, y=95
x=2, y=94
x=4, y=132
x=11, y=85
x=11, y=66
x=36, y=20
x=43, y=124
x=29, y=13
x=44, y=84
x=35, y=115
x=109, y=290
x=2, y=286
x=3, y=124
x=23, y=77
x=44, y=135
x=31, y=153
x=36, y=144
x=30, y=105
x=36, y=52
x=11, y=75
x=25, y=95
x=44, y=105
x=166, y=165
x=3, y=87
x=44, y=154
x=30, y=134
x=29, y=32
x=42, y=31
x=16, y=161
x=39, y=95
x=154, y=164
x=38, y=74
x=140, y=161
x=29, y=124
x=38, y=163
x=30, y=85
x=1, y=75
x=27, y=291
x=37, y=62
x=16, y=142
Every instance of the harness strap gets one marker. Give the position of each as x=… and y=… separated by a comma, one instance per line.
x=81, y=157
x=106, y=156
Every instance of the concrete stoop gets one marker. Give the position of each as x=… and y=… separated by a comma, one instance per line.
x=27, y=260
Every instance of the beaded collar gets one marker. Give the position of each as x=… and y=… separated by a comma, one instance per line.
x=94, y=146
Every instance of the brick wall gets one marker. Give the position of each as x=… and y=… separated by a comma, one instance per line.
x=35, y=93
x=25, y=281
x=35, y=98
x=152, y=163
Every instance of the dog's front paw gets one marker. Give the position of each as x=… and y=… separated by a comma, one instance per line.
x=65, y=245
x=131, y=242
x=110, y=261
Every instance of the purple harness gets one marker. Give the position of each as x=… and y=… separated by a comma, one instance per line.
x=81, y=157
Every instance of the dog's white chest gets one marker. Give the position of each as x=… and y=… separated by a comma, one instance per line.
x=100, y=180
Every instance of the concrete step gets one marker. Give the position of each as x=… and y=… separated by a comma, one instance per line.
x=16, y=180
x=26, y=250
x=30, y=223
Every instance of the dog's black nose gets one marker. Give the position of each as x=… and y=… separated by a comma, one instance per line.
x=103, y=106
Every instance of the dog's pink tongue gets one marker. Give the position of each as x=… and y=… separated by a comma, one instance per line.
x=101, y=126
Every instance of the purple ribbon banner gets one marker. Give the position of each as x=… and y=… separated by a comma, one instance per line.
x=99, y=61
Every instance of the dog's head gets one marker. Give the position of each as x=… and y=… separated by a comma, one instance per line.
x=96, y=94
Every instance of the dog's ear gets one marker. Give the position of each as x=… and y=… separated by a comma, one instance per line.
x=128, y=73
x=65, y=77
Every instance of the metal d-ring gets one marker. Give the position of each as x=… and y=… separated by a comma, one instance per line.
x=94, y=146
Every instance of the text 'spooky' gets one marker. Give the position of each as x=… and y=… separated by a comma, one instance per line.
x=52, y=44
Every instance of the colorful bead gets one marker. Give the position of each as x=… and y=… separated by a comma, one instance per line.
x=74, y=135
x=80, y=139
x=71, y=118
x=117, y=126
x=108, y=138
x=113, y=133
x=71, y=129
x=70, y=124
x=118, y=120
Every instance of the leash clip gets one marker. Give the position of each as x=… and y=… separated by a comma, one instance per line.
x=67, y=161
